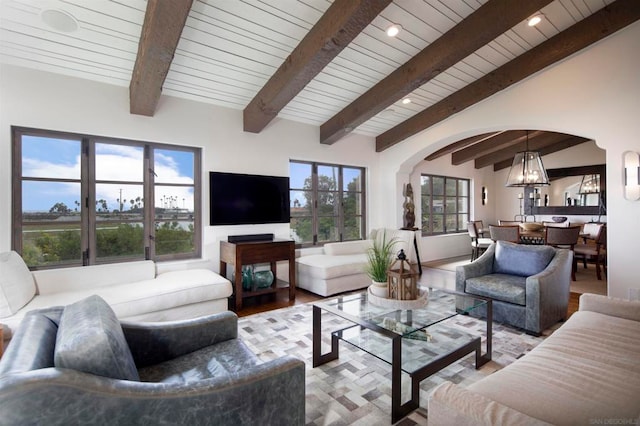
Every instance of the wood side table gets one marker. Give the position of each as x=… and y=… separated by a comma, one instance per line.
x=252, y=252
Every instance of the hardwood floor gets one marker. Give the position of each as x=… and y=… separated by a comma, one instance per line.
x=574, y=299
x=269, y=302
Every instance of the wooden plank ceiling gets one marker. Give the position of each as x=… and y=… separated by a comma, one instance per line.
x=320, y=62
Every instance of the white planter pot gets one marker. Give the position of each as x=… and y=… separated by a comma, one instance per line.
x=378, y=289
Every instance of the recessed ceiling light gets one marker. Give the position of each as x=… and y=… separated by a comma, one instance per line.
x=406, y=101
x=393, y=30
x=59, y=20
x=535, y=20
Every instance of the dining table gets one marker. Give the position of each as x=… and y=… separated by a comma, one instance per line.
x=538, y=236
x=532, y=237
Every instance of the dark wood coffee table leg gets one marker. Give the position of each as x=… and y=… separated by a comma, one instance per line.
x=318, y=357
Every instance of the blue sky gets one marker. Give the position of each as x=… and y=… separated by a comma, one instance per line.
x=60, y=159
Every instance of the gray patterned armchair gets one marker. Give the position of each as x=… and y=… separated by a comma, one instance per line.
x=529, y=284
x=79, y=365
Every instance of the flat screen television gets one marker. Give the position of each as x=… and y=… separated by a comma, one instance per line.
x=243, y=199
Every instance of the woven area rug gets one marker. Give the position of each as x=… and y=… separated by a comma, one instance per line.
x=356, y=388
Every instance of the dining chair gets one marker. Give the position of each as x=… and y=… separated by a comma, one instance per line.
x=556, y=224
x=509, y=233
x=594, y=251
x=479, y=227
x=478, y=244
x=590, y=231
x=564, y=238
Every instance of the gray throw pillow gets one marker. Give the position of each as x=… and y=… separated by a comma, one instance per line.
x=90, y=339
x=520, y=259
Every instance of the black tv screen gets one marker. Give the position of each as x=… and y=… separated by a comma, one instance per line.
x=242, y=199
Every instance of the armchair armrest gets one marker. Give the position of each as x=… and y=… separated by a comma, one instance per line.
x=628, y=309
x=451, y=404
x=481, y=266
x=269, y=393
x=152, y=343
x=547, y=293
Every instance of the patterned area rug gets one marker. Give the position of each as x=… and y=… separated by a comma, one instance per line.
x=356, y=388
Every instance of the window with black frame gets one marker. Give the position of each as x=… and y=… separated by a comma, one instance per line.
x=445, y=203
x=327, y=202
x=82, y=200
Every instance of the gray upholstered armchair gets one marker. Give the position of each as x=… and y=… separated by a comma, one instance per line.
x=85, y=369
x=529, y=284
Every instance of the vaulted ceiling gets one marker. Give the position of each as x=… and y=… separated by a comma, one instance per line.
x=315, y=61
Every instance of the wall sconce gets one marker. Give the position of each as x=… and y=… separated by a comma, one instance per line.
x=484, y=195
x=631, y=161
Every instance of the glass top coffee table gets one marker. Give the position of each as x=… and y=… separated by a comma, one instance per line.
x=418, y=342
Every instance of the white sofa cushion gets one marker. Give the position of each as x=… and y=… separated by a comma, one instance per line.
x=81, y=277
x=165, y=291
x=347, y=247
x=16, y=284
x=587, y=369
x=325, y=266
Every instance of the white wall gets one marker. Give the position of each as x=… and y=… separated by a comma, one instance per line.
x=42, y=100
x=594, y=94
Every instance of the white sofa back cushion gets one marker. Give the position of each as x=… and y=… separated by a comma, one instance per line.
x=347, y=247
x=84, y=277
x=16, y=284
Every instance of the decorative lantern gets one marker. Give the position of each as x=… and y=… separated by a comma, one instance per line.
x=402, y=279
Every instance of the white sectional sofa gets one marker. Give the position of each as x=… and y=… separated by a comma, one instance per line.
x=135, y=290
x=586, y=372
x=339, y=267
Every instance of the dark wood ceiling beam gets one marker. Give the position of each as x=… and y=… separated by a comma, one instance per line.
x=459, y=145
x=595, y=27
x=558, y=146
x=163, y=24
x=535, y=144
x=493, y=144
x=456, y=44
x=339, y=25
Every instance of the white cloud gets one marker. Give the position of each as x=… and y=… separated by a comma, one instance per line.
x=115, y=163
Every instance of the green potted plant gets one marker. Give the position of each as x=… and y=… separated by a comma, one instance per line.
x=379, y=259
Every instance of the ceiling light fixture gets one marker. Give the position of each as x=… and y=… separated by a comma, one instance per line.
x=59, y=20
x=393, y=30
x=535, y=20
x=590, y=184
x=406, y=101
x=527, y=169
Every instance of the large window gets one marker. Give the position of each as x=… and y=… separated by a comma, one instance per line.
x=83, y=200
x=327, y=202
x=445, y=204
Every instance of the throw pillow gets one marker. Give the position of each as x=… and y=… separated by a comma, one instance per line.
x=90, y=339
x=522, y=260
x=17, y=286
